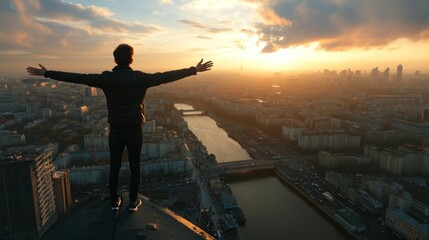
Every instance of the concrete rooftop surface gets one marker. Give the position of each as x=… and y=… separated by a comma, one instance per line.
x=94, y=220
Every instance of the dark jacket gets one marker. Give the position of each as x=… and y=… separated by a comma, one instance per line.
x=124, y=89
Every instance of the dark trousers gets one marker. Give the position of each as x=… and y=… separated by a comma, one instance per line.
x=121, y=136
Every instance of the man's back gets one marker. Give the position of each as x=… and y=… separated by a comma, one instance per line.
x=125, y=91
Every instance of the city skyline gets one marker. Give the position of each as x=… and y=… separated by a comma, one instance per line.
x=352, y=145
x=247, y=35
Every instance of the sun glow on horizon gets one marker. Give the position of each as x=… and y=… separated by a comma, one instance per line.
x=270, y=36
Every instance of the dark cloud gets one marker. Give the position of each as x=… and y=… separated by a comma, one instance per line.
x=342, y=24
x=96, y=17
x=205, y=27
x=42, y=26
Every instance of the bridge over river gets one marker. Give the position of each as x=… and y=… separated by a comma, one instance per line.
x=191, y=112
x=253, y=164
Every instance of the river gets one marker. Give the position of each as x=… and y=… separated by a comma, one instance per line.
x=213, y=137
x=273, y=210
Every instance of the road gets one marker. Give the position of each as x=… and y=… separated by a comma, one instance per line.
x=205, y=201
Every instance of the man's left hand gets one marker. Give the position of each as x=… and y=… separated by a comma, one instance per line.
x=201, y=67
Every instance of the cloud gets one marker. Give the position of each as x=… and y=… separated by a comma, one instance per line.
x=43, y=27
x=269, y=17
x=14, y=52
x=205, y=27
x=193, y=23
x=166, y=1
x=210, y=5
x=204, y=37
x=340, y=24
x=11, y=54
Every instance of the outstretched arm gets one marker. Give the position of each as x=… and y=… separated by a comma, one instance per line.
x=93, y=80
x=156, y=79
x=37, y=71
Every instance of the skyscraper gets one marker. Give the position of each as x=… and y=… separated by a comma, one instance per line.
x=399, y=73
x=27, y=206
x=386, y=74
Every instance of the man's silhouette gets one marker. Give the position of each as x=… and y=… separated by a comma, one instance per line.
x=125, y=90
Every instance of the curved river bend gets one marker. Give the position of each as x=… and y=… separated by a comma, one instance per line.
x=272, y=209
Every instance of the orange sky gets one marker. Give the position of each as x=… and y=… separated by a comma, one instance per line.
x=255, y=35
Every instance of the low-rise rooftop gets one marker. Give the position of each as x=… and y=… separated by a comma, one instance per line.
x=95, y=220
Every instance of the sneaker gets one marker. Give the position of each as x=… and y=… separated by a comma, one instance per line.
x=114, y=204
x=134, y=206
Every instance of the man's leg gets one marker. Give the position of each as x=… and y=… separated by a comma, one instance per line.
x=134, y=151
x=116, y=151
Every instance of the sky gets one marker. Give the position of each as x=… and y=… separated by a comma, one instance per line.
x=237, y=35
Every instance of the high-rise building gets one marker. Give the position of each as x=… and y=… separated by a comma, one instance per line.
x=63, y=199
x=27, y=205
x=374, y=74
x=386, y=74
x=399, y=73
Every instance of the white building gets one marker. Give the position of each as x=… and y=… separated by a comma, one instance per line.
x=162, y=167
x=406, y=226
x=381, y=189
x=89, y=175
x=408, y=160
x=96, y=141
x=11, y=138
x=159, y=145
x=419, y=209
x=291, y=133
x=329, y=160
x=327, y=140
x=270, y=119
x=400, y=200
x=62, y=161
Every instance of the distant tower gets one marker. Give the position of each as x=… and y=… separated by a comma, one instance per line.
x=26, y=194
x=386, y=74
x=349, y=74
x=399, y=73
x=374, y=74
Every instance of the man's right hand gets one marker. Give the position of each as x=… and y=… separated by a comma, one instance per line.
x=37, y=71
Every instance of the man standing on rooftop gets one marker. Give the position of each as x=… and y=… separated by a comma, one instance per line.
x=125, y=90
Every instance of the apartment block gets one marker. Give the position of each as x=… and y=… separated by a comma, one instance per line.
x=27, y=208
x=408, y=227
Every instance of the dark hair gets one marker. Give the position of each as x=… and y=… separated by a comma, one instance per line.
x=123, y=54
